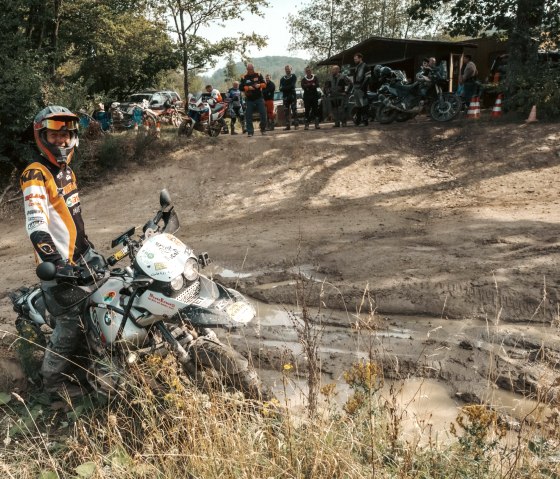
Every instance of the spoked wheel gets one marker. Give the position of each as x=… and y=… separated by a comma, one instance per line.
x=175, y=119
x=150, y=123
x=186, y=128
x=446, y=107
x=386, y=115
x=228, y=366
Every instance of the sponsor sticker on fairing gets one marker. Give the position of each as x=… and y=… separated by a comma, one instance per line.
x=162, y=302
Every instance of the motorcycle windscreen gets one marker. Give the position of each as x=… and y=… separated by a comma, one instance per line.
x=171, y=223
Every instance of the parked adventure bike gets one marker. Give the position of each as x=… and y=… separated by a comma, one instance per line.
x=170, y=114
x=160, y=303
x=401, y=101
x=134, y=114
x=201, y=117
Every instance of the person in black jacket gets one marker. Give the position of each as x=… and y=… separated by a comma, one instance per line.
x=253, y=84
x=288, y=89
x=310, y=85
x=360, y=89
x=337, y=88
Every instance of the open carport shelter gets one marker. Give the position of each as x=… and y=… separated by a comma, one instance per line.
x=405, y=54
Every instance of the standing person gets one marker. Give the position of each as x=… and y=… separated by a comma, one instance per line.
x=360, y=90
x=268, y=95
x=100, y=115
x=253, y=85
x=233, y=96
x=468, y=78
x=337, y=87
x=310, y=85
x=55, y=226
x=288, y=89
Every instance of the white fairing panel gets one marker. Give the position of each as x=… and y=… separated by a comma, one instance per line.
x=106, y=321
x=163, y=257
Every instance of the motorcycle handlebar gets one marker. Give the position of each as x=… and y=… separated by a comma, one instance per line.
x=116, y=257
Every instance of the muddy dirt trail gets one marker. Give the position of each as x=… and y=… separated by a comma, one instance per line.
x=449, y=227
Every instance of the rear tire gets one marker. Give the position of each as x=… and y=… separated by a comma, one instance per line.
x=386, y=115
x=231, y=368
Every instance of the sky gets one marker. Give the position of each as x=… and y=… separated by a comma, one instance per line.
x=273, y=25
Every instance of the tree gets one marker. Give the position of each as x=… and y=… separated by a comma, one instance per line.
x=230, y=72
x=189, y=16
x=325, y=27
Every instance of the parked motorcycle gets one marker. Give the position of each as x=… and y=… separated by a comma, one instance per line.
x=200, y=117
x=124, y=118
x=159, y=303
x=170, y=115
x=401, y=101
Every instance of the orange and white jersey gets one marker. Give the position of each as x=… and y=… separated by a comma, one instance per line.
x=53, y=213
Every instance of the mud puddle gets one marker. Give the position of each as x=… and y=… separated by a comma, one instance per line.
x=432, y=366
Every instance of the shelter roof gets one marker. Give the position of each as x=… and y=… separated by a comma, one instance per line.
x=389, y=50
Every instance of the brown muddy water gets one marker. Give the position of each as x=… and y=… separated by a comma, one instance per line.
x=426, y=402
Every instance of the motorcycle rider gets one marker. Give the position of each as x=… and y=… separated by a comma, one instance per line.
x=233, y=96
x=360, y=90
x=337, y=87
x=213, y=97
x=310, y=85
x=288, y=89
x=268, y=95
x=54, y=223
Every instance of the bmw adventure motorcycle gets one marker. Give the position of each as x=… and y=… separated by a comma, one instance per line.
x=159, y=304
x=200, y=117
x=401, y=101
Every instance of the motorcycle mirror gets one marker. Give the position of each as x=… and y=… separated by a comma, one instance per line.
x=46, y=271
x=164, y=198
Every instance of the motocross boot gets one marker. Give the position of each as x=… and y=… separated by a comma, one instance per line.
x=317, y=127
x=306, y=127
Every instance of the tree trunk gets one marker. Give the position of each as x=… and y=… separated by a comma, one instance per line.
x=524, y=39
x=186, y=72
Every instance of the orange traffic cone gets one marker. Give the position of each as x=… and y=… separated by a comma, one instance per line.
x=497, y=109
x=533, y=115
x=158, y=129
x=136, y=127
x=473, y=113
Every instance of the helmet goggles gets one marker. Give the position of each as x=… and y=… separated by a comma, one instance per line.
x=54, y=124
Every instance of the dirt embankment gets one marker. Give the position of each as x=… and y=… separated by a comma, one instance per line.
x=458, y=221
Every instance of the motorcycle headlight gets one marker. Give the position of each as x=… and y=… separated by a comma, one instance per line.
x=190, y=272
x=177, y=283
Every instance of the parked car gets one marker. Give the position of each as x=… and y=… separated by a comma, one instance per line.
x=278, y=105
x=156, y=99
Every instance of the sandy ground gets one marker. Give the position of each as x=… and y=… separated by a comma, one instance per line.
x=448, y=232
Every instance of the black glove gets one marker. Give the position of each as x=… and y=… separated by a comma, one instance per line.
x=65, y=270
